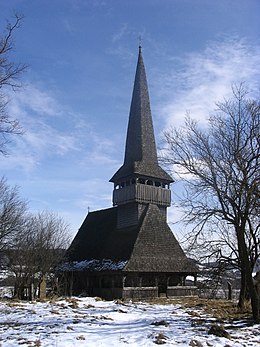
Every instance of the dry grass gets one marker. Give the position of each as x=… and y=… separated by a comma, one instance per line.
x=218, y=308
x=160, y=339
x=73, y=303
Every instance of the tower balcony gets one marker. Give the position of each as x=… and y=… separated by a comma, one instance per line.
x=142, y=193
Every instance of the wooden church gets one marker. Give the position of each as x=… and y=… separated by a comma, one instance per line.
x=129, y=251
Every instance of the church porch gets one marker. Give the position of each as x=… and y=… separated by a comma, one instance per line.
x=111, y=286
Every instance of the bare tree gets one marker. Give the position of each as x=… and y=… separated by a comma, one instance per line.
x=13, y=210
x=10, y=73
x=37, y=250
x=222, y=168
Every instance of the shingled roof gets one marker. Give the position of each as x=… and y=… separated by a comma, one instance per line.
x=98, y=238
x=147, y=247
x=156, y=249
x=140, y=150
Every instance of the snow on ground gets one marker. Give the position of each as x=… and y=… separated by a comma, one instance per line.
x=90, y=322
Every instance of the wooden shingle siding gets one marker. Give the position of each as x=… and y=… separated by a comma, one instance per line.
x=128, y=215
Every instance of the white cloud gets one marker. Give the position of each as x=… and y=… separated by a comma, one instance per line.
x=36, y=144
x=44, y=138
x=195, y=83
x=35, y=110
x=52, y=131
x=121, y=38
x=206, y=77
x=123, y=30
x=19, y=159
x=38, y=101
x=96, y=193
x=99, y=150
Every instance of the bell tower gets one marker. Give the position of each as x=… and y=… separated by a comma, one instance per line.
x=140, y=180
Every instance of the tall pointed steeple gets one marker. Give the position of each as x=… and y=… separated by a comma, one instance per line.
x=140, y=150
x=140, y=180
x=140, y=142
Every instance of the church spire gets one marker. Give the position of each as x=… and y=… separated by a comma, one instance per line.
x=140, y=142
x=140, y=150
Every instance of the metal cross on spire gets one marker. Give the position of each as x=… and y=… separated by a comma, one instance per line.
x=140, y=42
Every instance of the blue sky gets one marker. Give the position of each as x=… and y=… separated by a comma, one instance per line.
x=77, y=90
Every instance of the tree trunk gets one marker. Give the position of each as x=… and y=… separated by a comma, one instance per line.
x=246, y=269
x=242, y=294
x=19, y=288
x=229, y=290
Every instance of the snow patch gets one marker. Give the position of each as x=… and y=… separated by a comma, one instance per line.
x=94, y=265
x=90, y=322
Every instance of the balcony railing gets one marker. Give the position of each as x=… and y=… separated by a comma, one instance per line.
x=142, y=193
